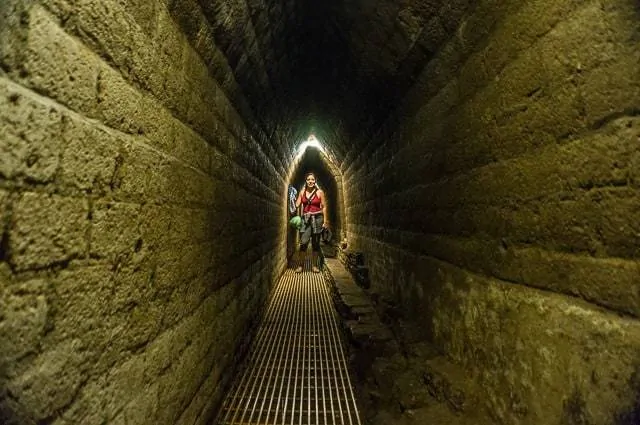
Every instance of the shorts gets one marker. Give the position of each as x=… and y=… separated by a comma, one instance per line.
x=311, y=225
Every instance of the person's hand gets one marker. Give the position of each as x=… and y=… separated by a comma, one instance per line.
x=325, y=225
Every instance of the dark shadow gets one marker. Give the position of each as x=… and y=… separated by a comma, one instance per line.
x=632, y=416
x=11, y=413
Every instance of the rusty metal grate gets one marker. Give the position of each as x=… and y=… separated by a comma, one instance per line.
x=296, y=371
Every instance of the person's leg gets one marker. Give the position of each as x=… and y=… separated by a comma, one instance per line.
x=300, y=257
x=305, y=237
x=315, y=251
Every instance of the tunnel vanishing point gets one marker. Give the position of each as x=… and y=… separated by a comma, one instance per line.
x=484, y=157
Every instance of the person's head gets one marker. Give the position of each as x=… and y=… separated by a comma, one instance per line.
x=310, y=180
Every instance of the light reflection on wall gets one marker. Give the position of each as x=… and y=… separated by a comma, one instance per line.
x=310, y=142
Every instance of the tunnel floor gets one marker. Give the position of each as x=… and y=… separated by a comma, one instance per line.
x=296, y=370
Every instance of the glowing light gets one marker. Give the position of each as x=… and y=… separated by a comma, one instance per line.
x=311, y=142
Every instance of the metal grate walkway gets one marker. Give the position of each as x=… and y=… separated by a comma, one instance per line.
x=296, y=371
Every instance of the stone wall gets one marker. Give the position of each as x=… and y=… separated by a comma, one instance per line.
x=132, y=262
x=499, y=206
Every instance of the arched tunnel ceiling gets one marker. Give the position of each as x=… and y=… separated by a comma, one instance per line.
x=334, y=67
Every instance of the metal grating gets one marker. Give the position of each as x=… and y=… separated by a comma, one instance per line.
x=296, y=371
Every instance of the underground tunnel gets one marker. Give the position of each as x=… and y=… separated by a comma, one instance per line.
x=482, y=167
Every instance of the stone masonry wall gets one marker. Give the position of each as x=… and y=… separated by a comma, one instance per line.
x=499, y=207
x=131, y=264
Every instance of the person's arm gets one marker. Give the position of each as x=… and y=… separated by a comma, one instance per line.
x=323, y=205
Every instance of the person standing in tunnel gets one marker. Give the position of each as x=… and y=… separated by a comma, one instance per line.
x=314, y=210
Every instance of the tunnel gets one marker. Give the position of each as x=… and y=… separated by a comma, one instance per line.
x=482, y=167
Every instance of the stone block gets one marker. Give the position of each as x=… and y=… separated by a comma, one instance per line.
x=123, y=106
x=53, y=380
x=193, y=225
x=103, y=398
x=172, y=51
x=91, y=155
x=138, y=177
x=346, y=286
x=126, y=382
x=337, y=269
x=538, y=95
x=30, y=131
x=556, y=337
x=201, y=405
x=521, y=26
x=110, y=330
x=164, y=349
x=608, y=282
x=12, y=32
x=603, y=159
x=192, y=367
x=190, y=147
x=187, y=298
x=58, y=65
x=175, y=269
x=136, y=290
x=114, y=31
x=120, y=104
x=611, y=89
x=368, y=333
x=115, y=230
x=596, y=46
x=25, y=316
x=410, y=392
x=560, y=175
x=363, y=311
x=156, y=223
x=145, y=321
x=384, y=369
x=143, y=406
x=84, y=308
x=605, y=281
x=447, y=383
x=47, y=230
x=187, y=186
x=157, y=123
x=220, y=164
x=356, y=301
x=148, y=174
x=5, y=205
x=571, y=224
x=145, y=14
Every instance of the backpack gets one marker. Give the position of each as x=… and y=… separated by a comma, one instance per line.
x=293, y=194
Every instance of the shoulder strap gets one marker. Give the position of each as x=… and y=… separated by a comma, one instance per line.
x=309, y=198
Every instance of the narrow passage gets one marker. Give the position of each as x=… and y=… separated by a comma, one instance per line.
x=296, y=371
